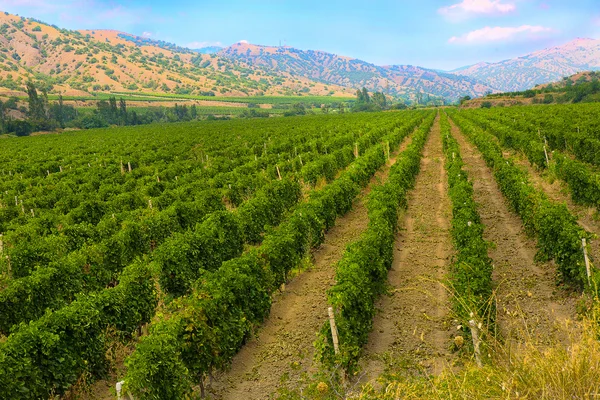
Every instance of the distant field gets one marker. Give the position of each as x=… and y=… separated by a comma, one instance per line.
x=132, y=96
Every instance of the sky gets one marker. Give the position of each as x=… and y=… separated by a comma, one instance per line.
x=440, y=34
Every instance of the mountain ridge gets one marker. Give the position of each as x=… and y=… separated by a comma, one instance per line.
x=96, y=61
x=539, y=67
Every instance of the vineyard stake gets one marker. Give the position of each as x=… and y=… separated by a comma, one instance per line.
x=546, y=153
x=119, y=387
x=122, y=168
x=150, y=203
x=129, y=165
x=60, y=167
x=587, y=260
x=278, y=173
x=476, y=342
x=334, y=332
x=301, y=163
x=355, y=150
x=32, y=212
x=1, y=244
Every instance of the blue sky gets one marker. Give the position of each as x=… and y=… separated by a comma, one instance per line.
x=442, y=34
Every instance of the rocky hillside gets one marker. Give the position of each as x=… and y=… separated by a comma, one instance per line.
x=80, y=62
x=540, y=67
x=404, y=81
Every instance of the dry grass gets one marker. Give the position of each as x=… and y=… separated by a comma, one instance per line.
x=528, y=370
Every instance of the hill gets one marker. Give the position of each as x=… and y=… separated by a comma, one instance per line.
x=82, y=62
x=583, y=87
x=540, y=67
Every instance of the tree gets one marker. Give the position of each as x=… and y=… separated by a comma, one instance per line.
x=38, y=108
x=379, y=100
x=122, y=111
x=464, y=99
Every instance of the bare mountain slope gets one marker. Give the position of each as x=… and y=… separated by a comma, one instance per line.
x=407, y=81
x=540, y=67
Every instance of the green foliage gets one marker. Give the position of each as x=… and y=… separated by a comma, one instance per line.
x=471, y=271
x=361, y=274
x=559, y=235
x=217, y=317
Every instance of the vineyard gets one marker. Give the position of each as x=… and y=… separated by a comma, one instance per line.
x=305, y=257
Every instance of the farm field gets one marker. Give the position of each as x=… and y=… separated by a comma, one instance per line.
x=200, y=259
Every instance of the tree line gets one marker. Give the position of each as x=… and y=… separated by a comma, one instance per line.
x=42, y=115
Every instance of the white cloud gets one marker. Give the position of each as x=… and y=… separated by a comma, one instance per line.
x=244, y=41
x=467, y=8
x=147, y=34
x=200, y=45
x=498, y=33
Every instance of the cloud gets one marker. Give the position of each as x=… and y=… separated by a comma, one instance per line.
x=147, y=34
x=200, y=45
x=468, y=8
x=498, y=33
x=244, y=41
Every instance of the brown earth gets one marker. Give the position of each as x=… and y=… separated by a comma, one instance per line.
x=414, y=320
x=558, y=191
x=530, y=306
x=282, y=352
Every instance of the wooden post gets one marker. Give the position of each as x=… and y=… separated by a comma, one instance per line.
x=157, y=179
x=355, y=150
x=60, y=167
x=278, y=173
x=122, y=168
x=150, y=203
x=301, y=163
x=22, y=207
x=1, y=243
x=89, y=166
x=32, y=212
x=48, y=172
x=587, y=260
x=476, y=342
x=119, y=388
x=16, y=201
x=176, y=177
x=546, y=153
x=334, y=332
x=129, y=165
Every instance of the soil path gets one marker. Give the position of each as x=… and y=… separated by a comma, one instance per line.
x=413, y=322
x=530, y=307
x=558, y=190
x=282, y=352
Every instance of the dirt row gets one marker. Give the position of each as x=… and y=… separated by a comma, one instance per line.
x=413, y=323
x=558, y=191
x=530, y=306
x=282, y=352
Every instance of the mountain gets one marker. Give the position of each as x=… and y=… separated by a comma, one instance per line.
x=82, y=62
x=405, y=81
x=540, y=67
